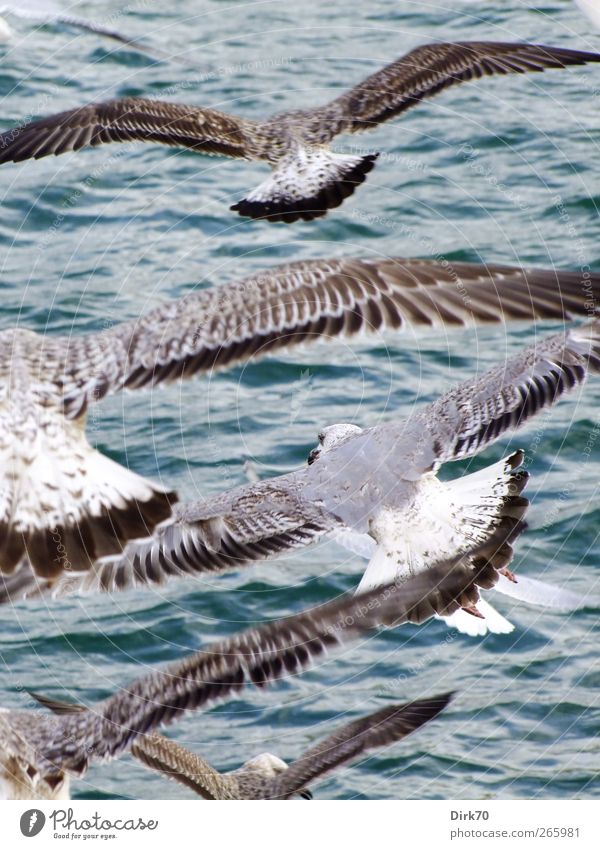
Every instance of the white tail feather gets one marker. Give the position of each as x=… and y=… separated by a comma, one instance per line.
x=445, y=519
x=305, y=184
x=493, y=622
x=539, y=593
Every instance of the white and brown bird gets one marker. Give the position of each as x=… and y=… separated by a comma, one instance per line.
x=40, y=752
x=381, y=481
x=64, y=505
x=267, y=776
x=307, y=178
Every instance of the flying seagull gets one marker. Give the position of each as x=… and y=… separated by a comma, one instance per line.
x=39, y=752
x=307, y=178
x=381, y=481
x=63, y=504
x=266, y=776
x=45, y=13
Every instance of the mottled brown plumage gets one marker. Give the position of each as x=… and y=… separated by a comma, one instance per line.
x=380, y=480
x=38, y=752
x=266, y=776
x=308, y=178
x=66, y=505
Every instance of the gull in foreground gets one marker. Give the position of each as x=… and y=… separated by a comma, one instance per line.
x=266, y=776
x=308, y=178
x=39, y=752
x=381, y=480
x=63, y=504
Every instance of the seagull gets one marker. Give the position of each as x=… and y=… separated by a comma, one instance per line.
x=381, y=480
x=266, y=776
x=308, y=178
x=40, y=752
x=62, y=503
x=51, y=13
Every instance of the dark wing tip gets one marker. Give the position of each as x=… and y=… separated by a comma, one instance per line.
x=418, y=712
x=431, y=707
x=57, y=706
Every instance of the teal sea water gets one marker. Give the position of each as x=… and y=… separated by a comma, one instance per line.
x=94, y=238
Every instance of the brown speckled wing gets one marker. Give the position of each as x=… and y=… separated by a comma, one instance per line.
x=259, y=655
x=252, y=523
x=125, y=120
x=477, y=412
x=178, y=763
x=305, y=302
x=431, y=68
x=382, y=728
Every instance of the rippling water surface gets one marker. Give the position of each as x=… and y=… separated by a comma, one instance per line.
x=97, y=237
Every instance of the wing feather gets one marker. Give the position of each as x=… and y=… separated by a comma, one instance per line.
x=382, y=728
x=432, y=68
x=259, y=655
x=175, y=761
x=466, y=419
x=123, y=120
x=254, y=522
x=303, y=302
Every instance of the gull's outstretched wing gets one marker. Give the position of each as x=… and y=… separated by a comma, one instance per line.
x=175, y=761
x=466, y=419
x=125, y=120
x=160, y=754
x=382, y=728
x=254, y=522
x=259, y=655
x=305, y=302
x=431, y=68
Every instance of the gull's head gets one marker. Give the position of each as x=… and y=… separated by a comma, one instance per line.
x=332, y=436
x=267, y=765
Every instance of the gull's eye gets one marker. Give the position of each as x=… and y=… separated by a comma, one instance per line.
x=321, y=436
